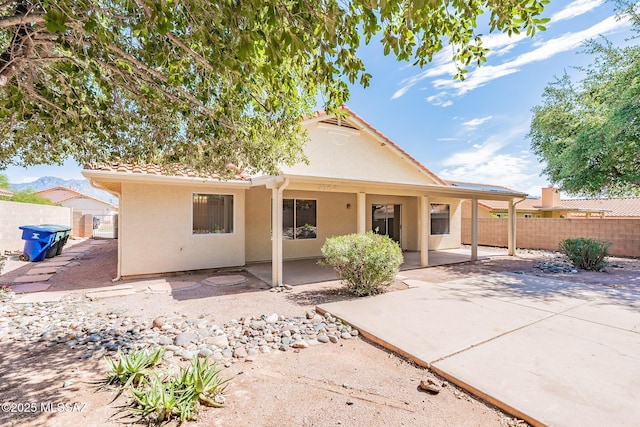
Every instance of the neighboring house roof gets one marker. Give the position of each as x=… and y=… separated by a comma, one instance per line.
x=66, y=194
x=624, y=207
x=5, y=192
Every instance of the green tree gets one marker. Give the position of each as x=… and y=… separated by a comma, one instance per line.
x=588, y=133
x=4, y=182
x=207, y=83
x=29, y=196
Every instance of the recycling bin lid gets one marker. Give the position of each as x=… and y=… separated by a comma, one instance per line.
x=39, y=228
x=57, y=227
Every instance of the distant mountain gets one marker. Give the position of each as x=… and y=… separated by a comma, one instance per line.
x=80, y=185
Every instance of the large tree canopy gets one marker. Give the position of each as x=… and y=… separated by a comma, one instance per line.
x=207, y=83
x=588, y=133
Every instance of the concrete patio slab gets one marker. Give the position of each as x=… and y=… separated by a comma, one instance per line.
x=535, y=292
x=42, y=270
x=56, y=263
x=110, y=293
x=34, y=278
x=605, y=312
x=433, y=322
x=225, y=280
x=62, y=258
x=550, y=352
x=557, y=373
x=30, y=287
x=40, y=297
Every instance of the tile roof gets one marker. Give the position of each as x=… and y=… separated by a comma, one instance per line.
x=624, y=207
x=75, y=195
x=159, y=170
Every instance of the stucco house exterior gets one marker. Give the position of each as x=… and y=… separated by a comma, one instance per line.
x=71, y=198
x=356, y=180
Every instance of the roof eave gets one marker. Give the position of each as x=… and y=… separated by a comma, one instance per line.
x=164, y=179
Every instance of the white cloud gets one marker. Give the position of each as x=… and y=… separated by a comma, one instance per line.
x=440, y=99
x=491, y=163
x=564, y=43
x=576, y=8
x=499, y=44
x=476, y=122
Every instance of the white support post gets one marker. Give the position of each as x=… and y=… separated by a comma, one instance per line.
x=512, y=229
x=425, y=230
x=276, y=237
x=361, y=212
x=474, y=230
x=277, y=189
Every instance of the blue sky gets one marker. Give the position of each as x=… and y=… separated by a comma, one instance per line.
x=473, y=130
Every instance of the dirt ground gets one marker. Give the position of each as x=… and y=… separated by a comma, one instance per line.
x=352, y=383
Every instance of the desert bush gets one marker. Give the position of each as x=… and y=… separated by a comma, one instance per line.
x=585, y=253
x=366, y=263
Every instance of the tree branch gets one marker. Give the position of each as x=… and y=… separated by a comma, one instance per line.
x=13, y=21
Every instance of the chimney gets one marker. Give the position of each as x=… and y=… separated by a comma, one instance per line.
x=550, y=197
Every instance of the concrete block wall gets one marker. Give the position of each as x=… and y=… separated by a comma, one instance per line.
x=14, y=214
x=82, y=224
x=546, y=233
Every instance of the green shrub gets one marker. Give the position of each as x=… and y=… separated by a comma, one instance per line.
x=366, y=263
x=588, y=254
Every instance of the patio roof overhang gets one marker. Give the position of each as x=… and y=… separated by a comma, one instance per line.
x=111, y=180
x=313, y=183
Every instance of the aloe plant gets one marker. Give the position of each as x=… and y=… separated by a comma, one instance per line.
x=131, y=368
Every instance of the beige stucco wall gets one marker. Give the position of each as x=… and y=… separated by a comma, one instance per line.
x=156, y=231
x=451, y=240
x=15, y=214
x=333, y=217
x=349, y=154
x=466, y=210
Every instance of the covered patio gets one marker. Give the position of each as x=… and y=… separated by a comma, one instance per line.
x=304, y=271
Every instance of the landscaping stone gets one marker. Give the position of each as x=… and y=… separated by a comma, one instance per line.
x=431, y=385
x=95, y=334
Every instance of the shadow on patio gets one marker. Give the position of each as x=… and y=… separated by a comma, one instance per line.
x=304, y=271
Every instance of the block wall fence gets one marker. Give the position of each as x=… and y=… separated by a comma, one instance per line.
x=546, y=233
x=15, y=214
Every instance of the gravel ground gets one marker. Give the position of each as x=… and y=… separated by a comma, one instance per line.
x=288, y=364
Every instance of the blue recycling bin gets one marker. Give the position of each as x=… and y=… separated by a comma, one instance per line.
x=62, y=235
x=38, y=240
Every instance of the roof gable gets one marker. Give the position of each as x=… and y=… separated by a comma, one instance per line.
x=61, y=194
x=350, y=148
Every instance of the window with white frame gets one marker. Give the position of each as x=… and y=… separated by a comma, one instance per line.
x=212, y=213
x=299, y=219
x=440, y=218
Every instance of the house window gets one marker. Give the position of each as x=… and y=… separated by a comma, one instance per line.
x=528, y=215
x=439, y=218
x=299, y=219
x=212, y=213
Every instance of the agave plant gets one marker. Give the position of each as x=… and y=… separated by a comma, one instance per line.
x=131, y=368
x=154, y=396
